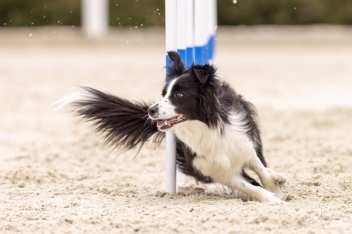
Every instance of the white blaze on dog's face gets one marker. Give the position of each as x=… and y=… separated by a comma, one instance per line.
x=166, y=108
x=165, y=111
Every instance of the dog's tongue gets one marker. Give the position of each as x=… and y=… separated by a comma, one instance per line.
x=160, y=123
x=167, y=122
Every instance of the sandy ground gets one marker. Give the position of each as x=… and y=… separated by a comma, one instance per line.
x=57, y=176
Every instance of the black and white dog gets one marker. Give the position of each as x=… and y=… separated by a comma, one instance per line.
x=216, y=129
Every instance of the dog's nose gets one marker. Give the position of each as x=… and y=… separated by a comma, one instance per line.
x=153, y=110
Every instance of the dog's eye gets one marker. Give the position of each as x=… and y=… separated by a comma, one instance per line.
x=179, y=95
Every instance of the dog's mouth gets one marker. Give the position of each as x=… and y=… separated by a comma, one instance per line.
x=168, y=123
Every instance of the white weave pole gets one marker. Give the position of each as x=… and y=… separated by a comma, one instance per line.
x=95, y=16
x=181, y=29
x=200, y=30
x=212, y=29
x=181, y=13
x=171, y=45
x=190, y=27
x=190, y=32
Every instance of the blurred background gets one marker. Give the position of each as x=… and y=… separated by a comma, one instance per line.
x=280, y=54
x=130, y=13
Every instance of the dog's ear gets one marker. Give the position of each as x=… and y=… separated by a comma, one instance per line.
x=177, y=68
x=203, y=72
x=174, y=56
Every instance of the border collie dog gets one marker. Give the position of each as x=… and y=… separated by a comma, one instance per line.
x=217, y=130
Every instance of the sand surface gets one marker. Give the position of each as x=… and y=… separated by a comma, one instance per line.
x=56, y=176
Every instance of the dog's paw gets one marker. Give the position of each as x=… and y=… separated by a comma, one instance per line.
x=272, y=187
x=275, y=183
x=272, y=198
x=276, y=200
x=278, y=193
x=277, y=177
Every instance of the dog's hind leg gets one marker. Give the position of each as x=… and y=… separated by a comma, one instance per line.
x=258, y=193
x=249, y=179
x=234, y=179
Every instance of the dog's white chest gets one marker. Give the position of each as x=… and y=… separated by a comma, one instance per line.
x=226, y=151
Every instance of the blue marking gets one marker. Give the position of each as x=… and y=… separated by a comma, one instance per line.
x=168, y=64
x=199, y=55
x=190, y=56
x=205, y=53
x=209, y=50
x=183, y=55
x=211, y=45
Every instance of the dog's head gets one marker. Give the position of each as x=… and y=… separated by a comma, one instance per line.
x=190, y=94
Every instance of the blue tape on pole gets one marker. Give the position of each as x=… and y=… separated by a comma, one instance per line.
x=183, y=55
x=211, y=48
x=205, y=53
x=168, y=64
x=199, y=55
x=190, y=56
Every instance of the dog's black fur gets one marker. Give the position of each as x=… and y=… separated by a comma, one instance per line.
x=124, y=124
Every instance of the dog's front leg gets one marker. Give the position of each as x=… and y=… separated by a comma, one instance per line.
x=271, y=180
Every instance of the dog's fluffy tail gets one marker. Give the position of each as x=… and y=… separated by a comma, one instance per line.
x=122, y=123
